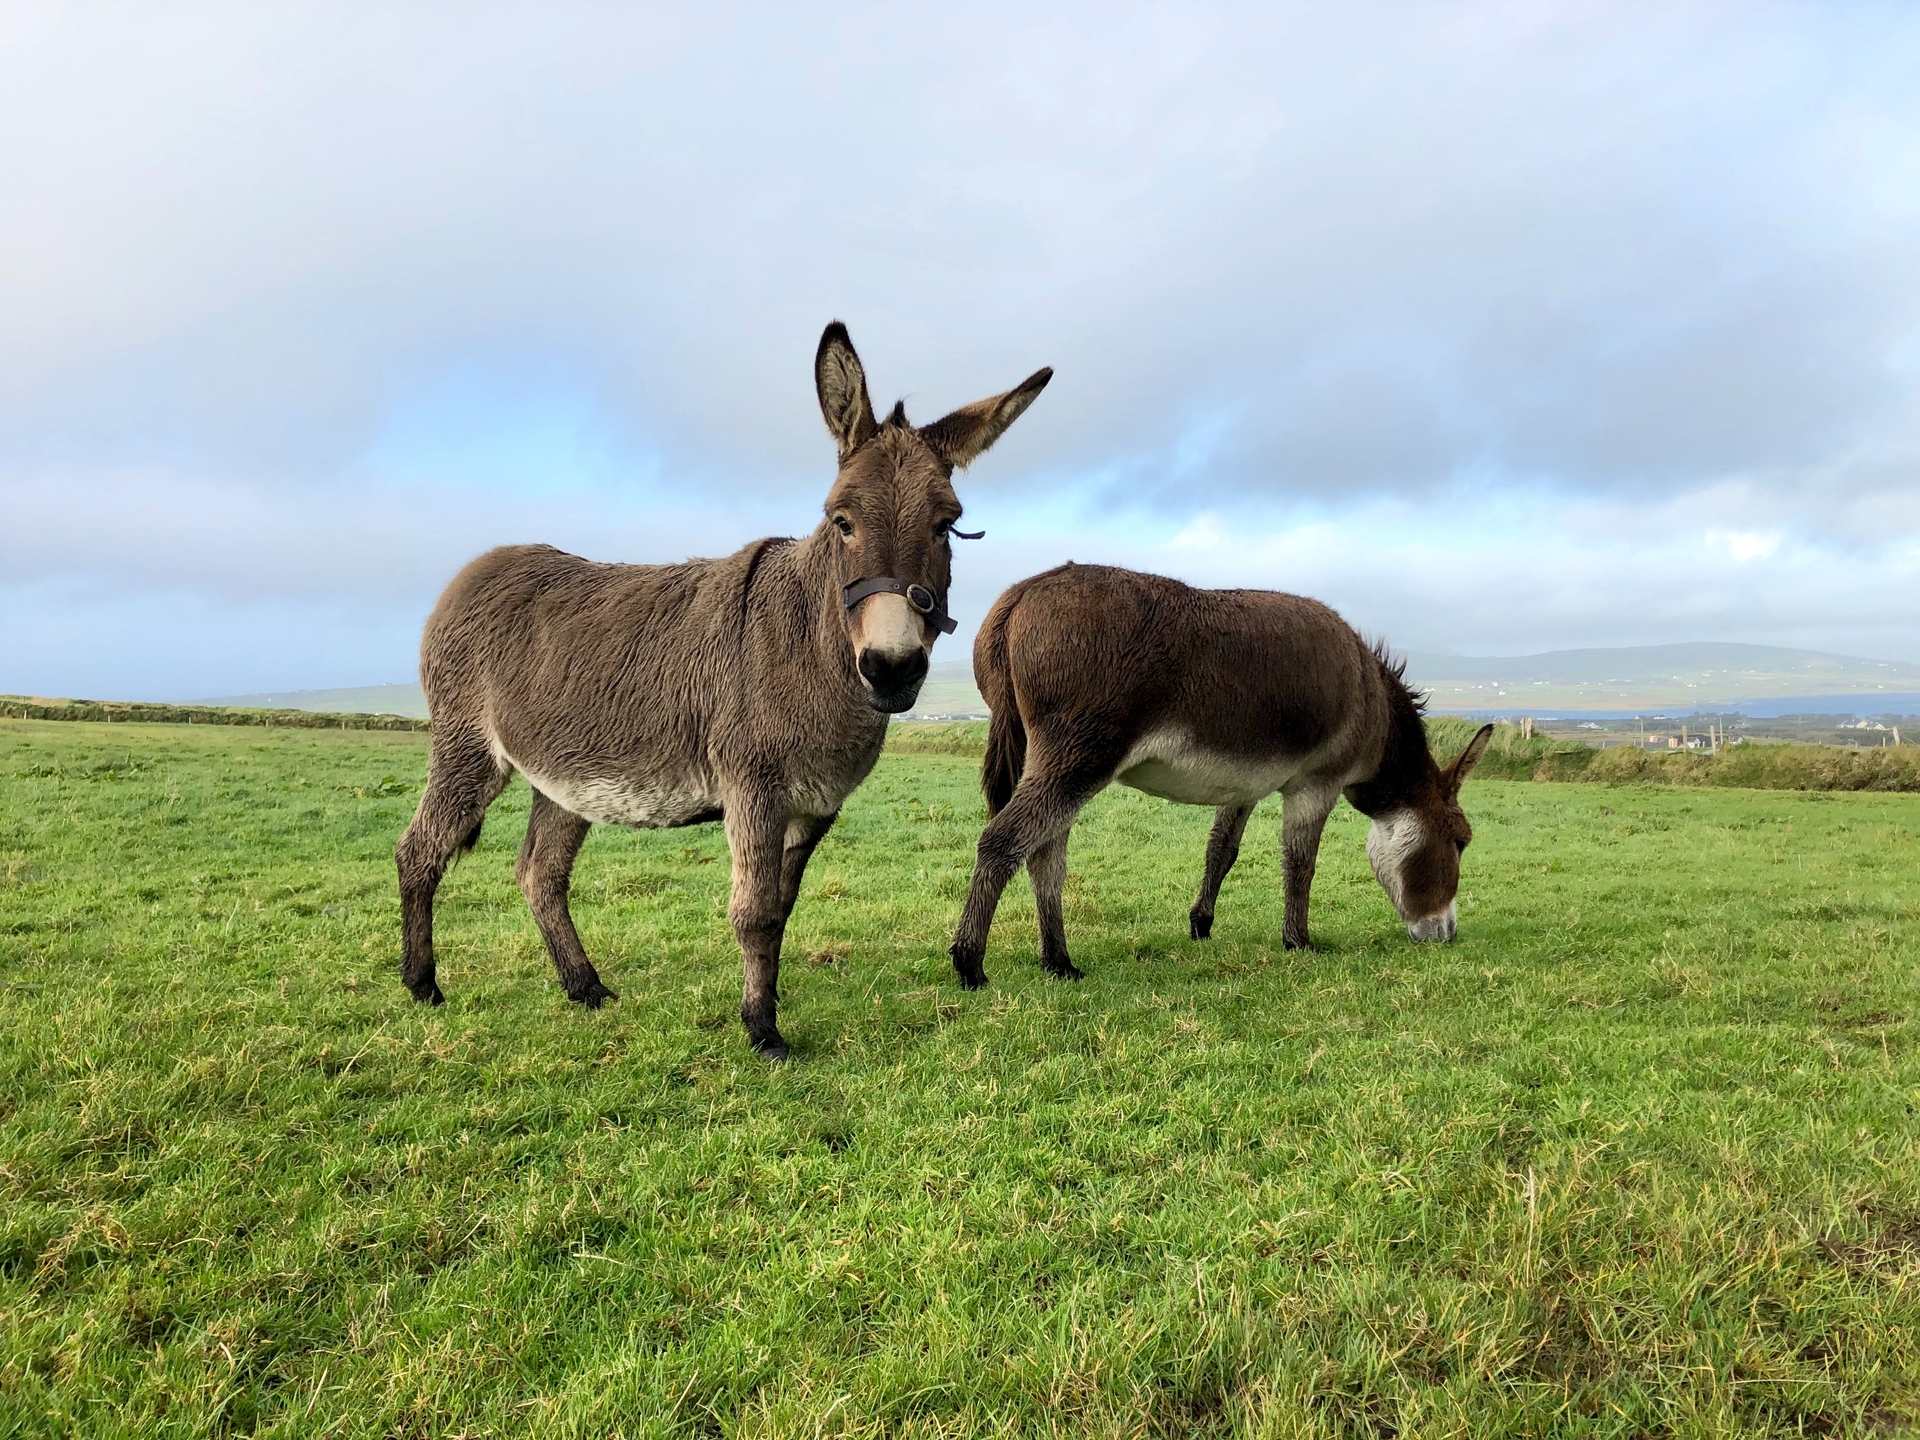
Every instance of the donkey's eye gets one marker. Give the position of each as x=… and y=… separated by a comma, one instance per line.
x=1460, y=847
x=846, y=525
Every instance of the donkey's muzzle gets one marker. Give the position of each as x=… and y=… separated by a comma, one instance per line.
x=1442, y=927
x=893, y=681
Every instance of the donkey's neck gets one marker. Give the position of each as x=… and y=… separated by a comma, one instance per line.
x=814, y=574
x=1407, y=773
x=809, y=615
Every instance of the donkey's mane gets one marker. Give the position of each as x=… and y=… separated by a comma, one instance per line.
x=1407, y=765
x=1396, y=673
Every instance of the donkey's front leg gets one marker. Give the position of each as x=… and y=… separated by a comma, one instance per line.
x=756, y=830
x=1302, y=817
x=804, y=834
x=1223, y=848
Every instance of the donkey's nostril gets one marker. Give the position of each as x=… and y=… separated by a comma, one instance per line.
x=894, y=679
x=893, y=669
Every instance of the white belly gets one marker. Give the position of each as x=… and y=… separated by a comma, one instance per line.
x=1167, y=763
x=652, y=803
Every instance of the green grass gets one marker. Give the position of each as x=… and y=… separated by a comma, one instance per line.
x=1636, y=1156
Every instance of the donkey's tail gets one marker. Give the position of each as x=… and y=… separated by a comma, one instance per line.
x=1006, y=734
x=1006, y=758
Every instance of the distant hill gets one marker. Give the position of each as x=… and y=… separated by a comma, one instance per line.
x=357, y=700
x=1706, y=675
x=949, y=691
x=1702, y=675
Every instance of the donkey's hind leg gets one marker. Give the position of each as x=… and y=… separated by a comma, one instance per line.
x=1041, y=811
x=545, y=871
x=1223, y=848
x=1047, y=869
x=463, y=779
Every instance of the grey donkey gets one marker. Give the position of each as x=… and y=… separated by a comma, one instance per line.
x=753, y=689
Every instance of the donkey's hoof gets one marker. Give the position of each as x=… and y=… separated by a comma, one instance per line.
x=772, y=1048
x=427, y=994
x=594, y=995
x=1063, y=970
x=1296, y=944
x=972, y=973
x=1200, y=927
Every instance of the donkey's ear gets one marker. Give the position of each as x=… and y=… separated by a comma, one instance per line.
x=961, y=437
x=1468, y=758
x=842, y=386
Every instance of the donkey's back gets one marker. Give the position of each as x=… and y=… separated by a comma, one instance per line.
x=533, y=640
x=1202, y=696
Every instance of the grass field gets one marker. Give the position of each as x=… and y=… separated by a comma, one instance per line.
x=1636, y=1156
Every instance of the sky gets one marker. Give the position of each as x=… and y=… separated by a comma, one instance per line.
x=1500, y=327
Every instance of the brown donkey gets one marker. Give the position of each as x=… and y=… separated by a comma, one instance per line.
x=1206, y=697
x=753, y=690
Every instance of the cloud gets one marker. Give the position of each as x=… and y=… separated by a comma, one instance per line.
x=1744, y=545
x=305, y=305
x=1534, y=578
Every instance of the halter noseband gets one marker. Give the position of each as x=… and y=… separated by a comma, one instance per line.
x=918, y=596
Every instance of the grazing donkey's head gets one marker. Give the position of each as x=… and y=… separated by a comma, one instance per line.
x=892, y=510
x=1415, y=846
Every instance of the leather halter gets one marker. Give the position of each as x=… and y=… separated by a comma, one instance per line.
x=918, y=596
